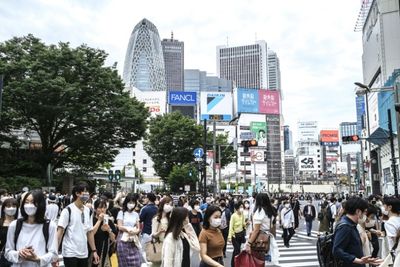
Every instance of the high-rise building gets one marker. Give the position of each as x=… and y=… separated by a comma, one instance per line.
x=274, y=71
x=197, y=81
x=348, y=128
x=287, y=138
x=144, y=60
x=174, y=59
x=246, y=66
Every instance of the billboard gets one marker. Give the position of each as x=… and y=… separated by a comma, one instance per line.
x=360, y=107
x=307, y=130
x=259, y=129
x=269, y=102
x=187, y=111
x=308, y=163
x=182, y=98
x=329, y=137
x=216, y=106
x=247, y=100
x=155, y=101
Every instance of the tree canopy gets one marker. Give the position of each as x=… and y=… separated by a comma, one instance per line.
x=66, y=95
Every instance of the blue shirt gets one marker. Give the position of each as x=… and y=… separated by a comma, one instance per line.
x=347, y=244
x=146, y=216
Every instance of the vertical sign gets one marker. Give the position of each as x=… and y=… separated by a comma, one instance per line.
x=360, y=106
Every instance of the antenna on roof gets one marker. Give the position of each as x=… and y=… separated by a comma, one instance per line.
x=172, y=35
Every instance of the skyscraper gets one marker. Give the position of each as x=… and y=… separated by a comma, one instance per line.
x=173, y=51
x=274, y=71
x=245, y=65
x=287, y=138
x=144, y=61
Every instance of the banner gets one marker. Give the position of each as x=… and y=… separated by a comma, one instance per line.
x=329, y=137
x=182, y=98
x=216, y=106
x=259, y=128
x=360, y=109
x=269, y=102
x=247, y=100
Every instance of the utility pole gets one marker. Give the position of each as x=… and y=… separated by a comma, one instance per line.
x=219, y=169
x=214, y=157
x=205, y=160
x=394, y=170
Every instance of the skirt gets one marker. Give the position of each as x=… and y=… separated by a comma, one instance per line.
x=128, y=254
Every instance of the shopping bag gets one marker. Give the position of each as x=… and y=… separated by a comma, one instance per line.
x=245, y=259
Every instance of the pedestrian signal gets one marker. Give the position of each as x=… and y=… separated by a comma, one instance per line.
x=350, y=138
x=110, y=175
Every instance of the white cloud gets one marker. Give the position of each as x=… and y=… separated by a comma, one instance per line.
x=320, y=55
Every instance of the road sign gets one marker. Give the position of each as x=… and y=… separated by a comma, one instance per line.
x=198, y=152
x=247, y=135
x=187, y=188
x=198, y=159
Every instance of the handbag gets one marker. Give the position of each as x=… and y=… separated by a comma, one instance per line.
x=245, y=259
x=262, y=241
x=153, y=250
x=241, y=237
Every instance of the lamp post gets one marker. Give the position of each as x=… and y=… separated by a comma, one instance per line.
x=364, y=90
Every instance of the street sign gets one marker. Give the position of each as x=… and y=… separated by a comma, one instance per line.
x=187, y=188
x=247, y=135
x=198, y=159
x=198, y=152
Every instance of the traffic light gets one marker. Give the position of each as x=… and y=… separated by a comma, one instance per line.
x=397, y=107
x=350, y=138
x=248, y=143
x=117, y=175
x=110, y=175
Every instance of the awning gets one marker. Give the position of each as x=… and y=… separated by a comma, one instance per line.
x=379, y=137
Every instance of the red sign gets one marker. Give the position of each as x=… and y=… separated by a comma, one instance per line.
x=269, y=102
x=329, y=136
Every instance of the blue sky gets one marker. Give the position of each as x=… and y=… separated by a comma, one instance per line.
x=320, y=54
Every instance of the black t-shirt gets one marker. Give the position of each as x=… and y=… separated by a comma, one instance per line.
x=186, y=253
x=101, y=238
x=3, y=236
x=195, y=220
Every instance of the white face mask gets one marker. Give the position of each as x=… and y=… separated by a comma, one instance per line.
x=287, y=206
x=130, y=206
x=30, y=209
x=215, y=222
x=384, y=212
x=241, y=210
x=167, y=208
x=246, y=206
x=371, y=223
x=10, y=211
x=363, y=219
x=197, y=208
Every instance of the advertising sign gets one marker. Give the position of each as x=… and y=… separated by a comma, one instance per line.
x=329, y=137
x=257, y=156
x=259, y=128
x=269, y=102
x=155, y=101
x=360, y=107
x=308, y=163
x=216, y=106
x=182, y=98
x=247, y=100
x=308, y=130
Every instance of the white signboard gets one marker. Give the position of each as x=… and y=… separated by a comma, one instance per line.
x=308, y=130
x=257, y=156
x=308, y=163
x=216, y=106
x=155, y=101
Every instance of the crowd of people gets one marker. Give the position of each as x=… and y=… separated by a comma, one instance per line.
x=90, y=229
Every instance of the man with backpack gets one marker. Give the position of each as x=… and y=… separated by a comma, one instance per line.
x=75, y=230
x=347, y=247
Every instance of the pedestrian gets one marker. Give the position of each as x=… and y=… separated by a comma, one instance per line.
x=225, y=220
x=146, y=216
x=27, y=244
x=392, y=225
x=287, y=222
x=323, y=219
x=371, y=227
x=264, y=220
x=195, y=217
x=104, y=232
x=247, y=213
x=75, y=230
x=309, y=215
x=332, y=213
x=211, y=239
x=160, y=223
x=8, y=214
x=295, y=205
x=180, y=241
x=128, y=245
x=347, y=246
x=52, y=208
x=237, y=230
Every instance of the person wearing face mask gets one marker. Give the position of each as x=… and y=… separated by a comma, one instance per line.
x=287, y=222
x=75, y=230
x=8, y=214
x=211, y=239
x=52, y=208
x=195, y=217
x=247, y=216
x=237, y=231
x=225, y=220
x=392, y=225
x=364, y=235
x=30, y=247
x=309, y=215
x=371, y=229
x=128, y=246
x=347, y=244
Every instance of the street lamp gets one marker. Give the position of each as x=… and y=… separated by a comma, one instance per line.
x=364, y=90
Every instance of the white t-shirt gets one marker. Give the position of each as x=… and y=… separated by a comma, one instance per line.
x=259, y=217
x=391, y=227
x=31, y=235
x=52, y=211
x=129, y=219
x=74, y=244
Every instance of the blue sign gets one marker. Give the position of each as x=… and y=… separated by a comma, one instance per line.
x=198, y=152
x=360, y=108
x=247, y=100
x=182, y=98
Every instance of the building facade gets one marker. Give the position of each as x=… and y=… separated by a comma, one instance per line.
x=144, y=61
x=274, y=71
x=174, y=60
x=287, y=138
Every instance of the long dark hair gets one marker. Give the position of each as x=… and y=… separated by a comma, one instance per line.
x=130, y=197
x=8, y=202
x=175, y=225
x=209, y=212
x=39, y=201
x=263, y=202
x=163, y=201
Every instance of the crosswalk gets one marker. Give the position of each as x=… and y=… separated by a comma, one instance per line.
x=301, y=253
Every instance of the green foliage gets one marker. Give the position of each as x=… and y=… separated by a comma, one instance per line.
x=15, y=184
x=182, y=175
x=171, y=140
x=228, y=154
x=77, y=105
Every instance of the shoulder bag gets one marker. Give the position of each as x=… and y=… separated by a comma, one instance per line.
x=153, y=249
x=263, y=240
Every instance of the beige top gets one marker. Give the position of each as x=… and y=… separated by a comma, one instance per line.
x=157, y=226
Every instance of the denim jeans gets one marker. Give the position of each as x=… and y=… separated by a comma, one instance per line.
x=309, y=226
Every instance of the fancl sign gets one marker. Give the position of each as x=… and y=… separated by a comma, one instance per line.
x=182, y=98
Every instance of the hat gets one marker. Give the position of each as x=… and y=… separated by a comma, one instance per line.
x=52, y=198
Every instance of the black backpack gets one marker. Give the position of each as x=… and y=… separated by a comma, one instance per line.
x=325, y=249
x=329, y=212
x=18, y=228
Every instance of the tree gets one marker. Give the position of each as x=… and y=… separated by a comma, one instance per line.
x=182, y=175
x=171, y=140
x=76, y=105
x=228, y=154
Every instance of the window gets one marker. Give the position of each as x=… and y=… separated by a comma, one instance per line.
x=145, y=161
x=134, y=153
x=133, y=161
x=144, y=169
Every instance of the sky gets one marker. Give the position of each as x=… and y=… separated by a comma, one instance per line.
x=319, y=52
